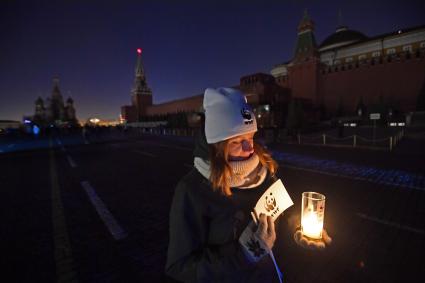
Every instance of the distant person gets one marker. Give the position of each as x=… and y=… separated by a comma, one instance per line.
x=212, y=203
x=85, y=132
x=340, y=129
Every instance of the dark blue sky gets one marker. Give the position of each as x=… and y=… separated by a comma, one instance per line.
x=187, y=45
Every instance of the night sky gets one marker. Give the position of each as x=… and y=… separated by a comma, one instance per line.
x=187, y=45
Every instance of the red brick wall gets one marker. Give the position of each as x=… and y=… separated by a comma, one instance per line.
x=400, y=80
x=303, y=80
x=129, y=113
x=142, y=102
x=189, y=104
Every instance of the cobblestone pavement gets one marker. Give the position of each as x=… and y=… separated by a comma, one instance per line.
x=54, y=228
x=398, y=178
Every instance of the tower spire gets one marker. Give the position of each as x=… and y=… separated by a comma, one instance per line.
x=306, y=43
x=140, y=83
x=56, y=102
x=340, y=20
x=56, y=93
x=139, y=71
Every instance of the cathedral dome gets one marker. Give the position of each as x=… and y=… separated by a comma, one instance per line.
x=342, y=36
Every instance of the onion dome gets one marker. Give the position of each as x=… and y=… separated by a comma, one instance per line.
x=39, y=101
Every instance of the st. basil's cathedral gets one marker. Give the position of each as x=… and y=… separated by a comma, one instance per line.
x=53, y=111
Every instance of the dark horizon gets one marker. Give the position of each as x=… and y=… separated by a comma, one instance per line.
x=187, y=47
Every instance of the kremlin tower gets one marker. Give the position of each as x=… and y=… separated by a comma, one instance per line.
x=141, y=94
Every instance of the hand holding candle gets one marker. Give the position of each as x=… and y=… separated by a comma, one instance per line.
x=312, y=214
x=311, y=235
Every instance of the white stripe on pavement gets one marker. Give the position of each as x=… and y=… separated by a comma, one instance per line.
x=114, y=228
x=392, y=224
x=145, y=153
x=65, y=268
x=71, y=162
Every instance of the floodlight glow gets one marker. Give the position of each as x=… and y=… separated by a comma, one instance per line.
x=35, y=130
x=94, y=120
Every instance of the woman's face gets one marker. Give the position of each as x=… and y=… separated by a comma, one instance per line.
x=241, y=147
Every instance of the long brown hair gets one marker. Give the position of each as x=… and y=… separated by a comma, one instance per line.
x=221, y=172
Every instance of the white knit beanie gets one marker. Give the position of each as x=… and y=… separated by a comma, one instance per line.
x=227, y=114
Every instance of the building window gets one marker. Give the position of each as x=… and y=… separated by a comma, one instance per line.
x=362, y=57
x=407, y=48
x=391, y=51
x=349, y=59
x=337, y=62
x=376, y=54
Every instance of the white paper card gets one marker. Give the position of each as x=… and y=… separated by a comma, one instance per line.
x=274, y=201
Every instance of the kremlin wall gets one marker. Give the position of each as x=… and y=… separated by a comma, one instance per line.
x=348, y=70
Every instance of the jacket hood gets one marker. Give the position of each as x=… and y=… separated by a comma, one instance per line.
x=201, y=146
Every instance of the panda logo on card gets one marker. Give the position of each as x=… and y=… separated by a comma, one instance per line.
x=270, y=203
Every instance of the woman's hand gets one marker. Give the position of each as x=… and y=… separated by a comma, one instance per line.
x=266, y=230
x=257, y=241
x=312, y=244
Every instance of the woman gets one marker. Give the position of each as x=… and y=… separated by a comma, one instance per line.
x=210, y=218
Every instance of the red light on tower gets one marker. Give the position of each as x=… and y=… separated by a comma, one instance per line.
x=139, y=50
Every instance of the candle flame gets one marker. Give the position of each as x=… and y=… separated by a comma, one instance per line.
x=311, y=225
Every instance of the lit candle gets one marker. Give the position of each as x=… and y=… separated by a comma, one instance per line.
x=312, y=227
x=312, y=214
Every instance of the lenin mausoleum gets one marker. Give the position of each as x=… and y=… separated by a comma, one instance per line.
x=348, y=74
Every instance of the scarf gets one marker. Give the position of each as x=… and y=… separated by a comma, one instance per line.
x=247, y=173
